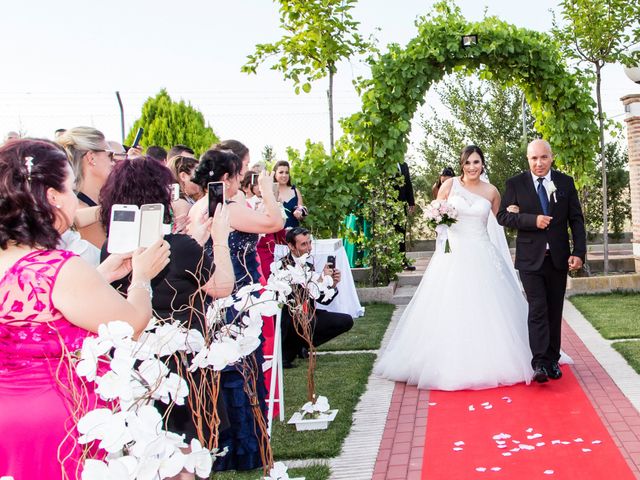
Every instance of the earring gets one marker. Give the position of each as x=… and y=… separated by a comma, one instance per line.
x=58, y=206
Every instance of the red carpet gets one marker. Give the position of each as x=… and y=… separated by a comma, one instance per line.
x=554, y=433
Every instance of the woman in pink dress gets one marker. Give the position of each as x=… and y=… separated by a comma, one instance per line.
x=50, y=300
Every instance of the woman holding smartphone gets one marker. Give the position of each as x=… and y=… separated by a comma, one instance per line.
x=182, y=289
x=51, y=301
x=243, y=438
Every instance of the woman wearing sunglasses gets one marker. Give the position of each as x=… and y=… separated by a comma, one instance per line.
x=92, y=161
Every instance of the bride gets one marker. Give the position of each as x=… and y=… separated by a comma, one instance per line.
x=466, y=325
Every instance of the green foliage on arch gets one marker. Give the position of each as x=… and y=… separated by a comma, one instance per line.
x=377, y=137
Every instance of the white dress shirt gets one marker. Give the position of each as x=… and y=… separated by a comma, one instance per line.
x=545, y=184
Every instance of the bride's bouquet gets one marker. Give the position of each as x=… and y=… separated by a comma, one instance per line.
x=440, y=215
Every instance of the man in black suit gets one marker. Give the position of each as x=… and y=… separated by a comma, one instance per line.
x=405, y=195
x=324, y=325
x=542, y=204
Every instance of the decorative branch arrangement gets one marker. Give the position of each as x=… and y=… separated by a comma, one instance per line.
x=307, y=287
x=125, y=438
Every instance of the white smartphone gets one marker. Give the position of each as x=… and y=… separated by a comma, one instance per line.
x=124, y=229
x=151, y=217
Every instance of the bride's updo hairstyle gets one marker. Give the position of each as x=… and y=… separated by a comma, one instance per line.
x=28, y=168
x=214, y=164
x=464, y=156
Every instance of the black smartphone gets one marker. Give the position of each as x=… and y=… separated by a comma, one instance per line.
x=331, y=261
x=215, y=191
x=136, y=140
x=254, y=179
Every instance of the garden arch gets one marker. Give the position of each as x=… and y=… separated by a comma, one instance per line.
x=560, y=100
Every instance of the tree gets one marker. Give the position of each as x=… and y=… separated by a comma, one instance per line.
x=481, y=113
x=598, y=32
x=320, y=33
x=618, y=195
x=268, y=154
x=167, y=123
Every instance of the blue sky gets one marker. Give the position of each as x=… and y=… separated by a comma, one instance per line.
x=63, y=60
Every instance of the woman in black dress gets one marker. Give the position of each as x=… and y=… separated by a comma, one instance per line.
x=181, y=290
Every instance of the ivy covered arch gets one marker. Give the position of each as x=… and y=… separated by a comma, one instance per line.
x=376, y=138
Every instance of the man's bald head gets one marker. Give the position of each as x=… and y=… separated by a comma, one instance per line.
x=540, y=157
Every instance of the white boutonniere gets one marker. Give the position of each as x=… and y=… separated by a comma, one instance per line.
x=551, y=190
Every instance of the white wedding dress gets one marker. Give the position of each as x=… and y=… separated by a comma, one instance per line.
x=466, y=325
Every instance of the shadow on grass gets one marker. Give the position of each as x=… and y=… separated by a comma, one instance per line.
x=367, y=331
x=316, y=472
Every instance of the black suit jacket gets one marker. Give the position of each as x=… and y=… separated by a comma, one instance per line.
x=531, y=242
x=405, y=191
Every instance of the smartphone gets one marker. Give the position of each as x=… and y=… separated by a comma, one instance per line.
x=254, y=179
x=331, y=261
x=124, y=229
x=151, y=217
x=175, y=192
x=136, y=140
x=276, y=189
x=215, y=191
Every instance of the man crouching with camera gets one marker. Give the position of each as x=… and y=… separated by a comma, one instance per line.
x=324, y=325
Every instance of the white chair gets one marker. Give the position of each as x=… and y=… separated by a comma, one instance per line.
x=275, y=363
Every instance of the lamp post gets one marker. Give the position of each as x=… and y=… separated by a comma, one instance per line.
x=633, y=73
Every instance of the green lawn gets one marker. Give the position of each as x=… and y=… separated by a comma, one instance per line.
x=630, y=350
x=317, y=472
x=367, y=331
x=342, y=379
x=614, y=315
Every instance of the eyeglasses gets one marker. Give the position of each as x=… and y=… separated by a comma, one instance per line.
x=109, y=153
x=119, y=156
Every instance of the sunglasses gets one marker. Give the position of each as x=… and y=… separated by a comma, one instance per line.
x=109, y=153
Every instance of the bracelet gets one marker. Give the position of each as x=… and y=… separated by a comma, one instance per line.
x=221, y=245
x=143, y=286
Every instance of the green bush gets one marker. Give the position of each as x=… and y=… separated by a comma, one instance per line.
x=329, y=186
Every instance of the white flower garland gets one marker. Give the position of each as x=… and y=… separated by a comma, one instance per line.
x=132, y=434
